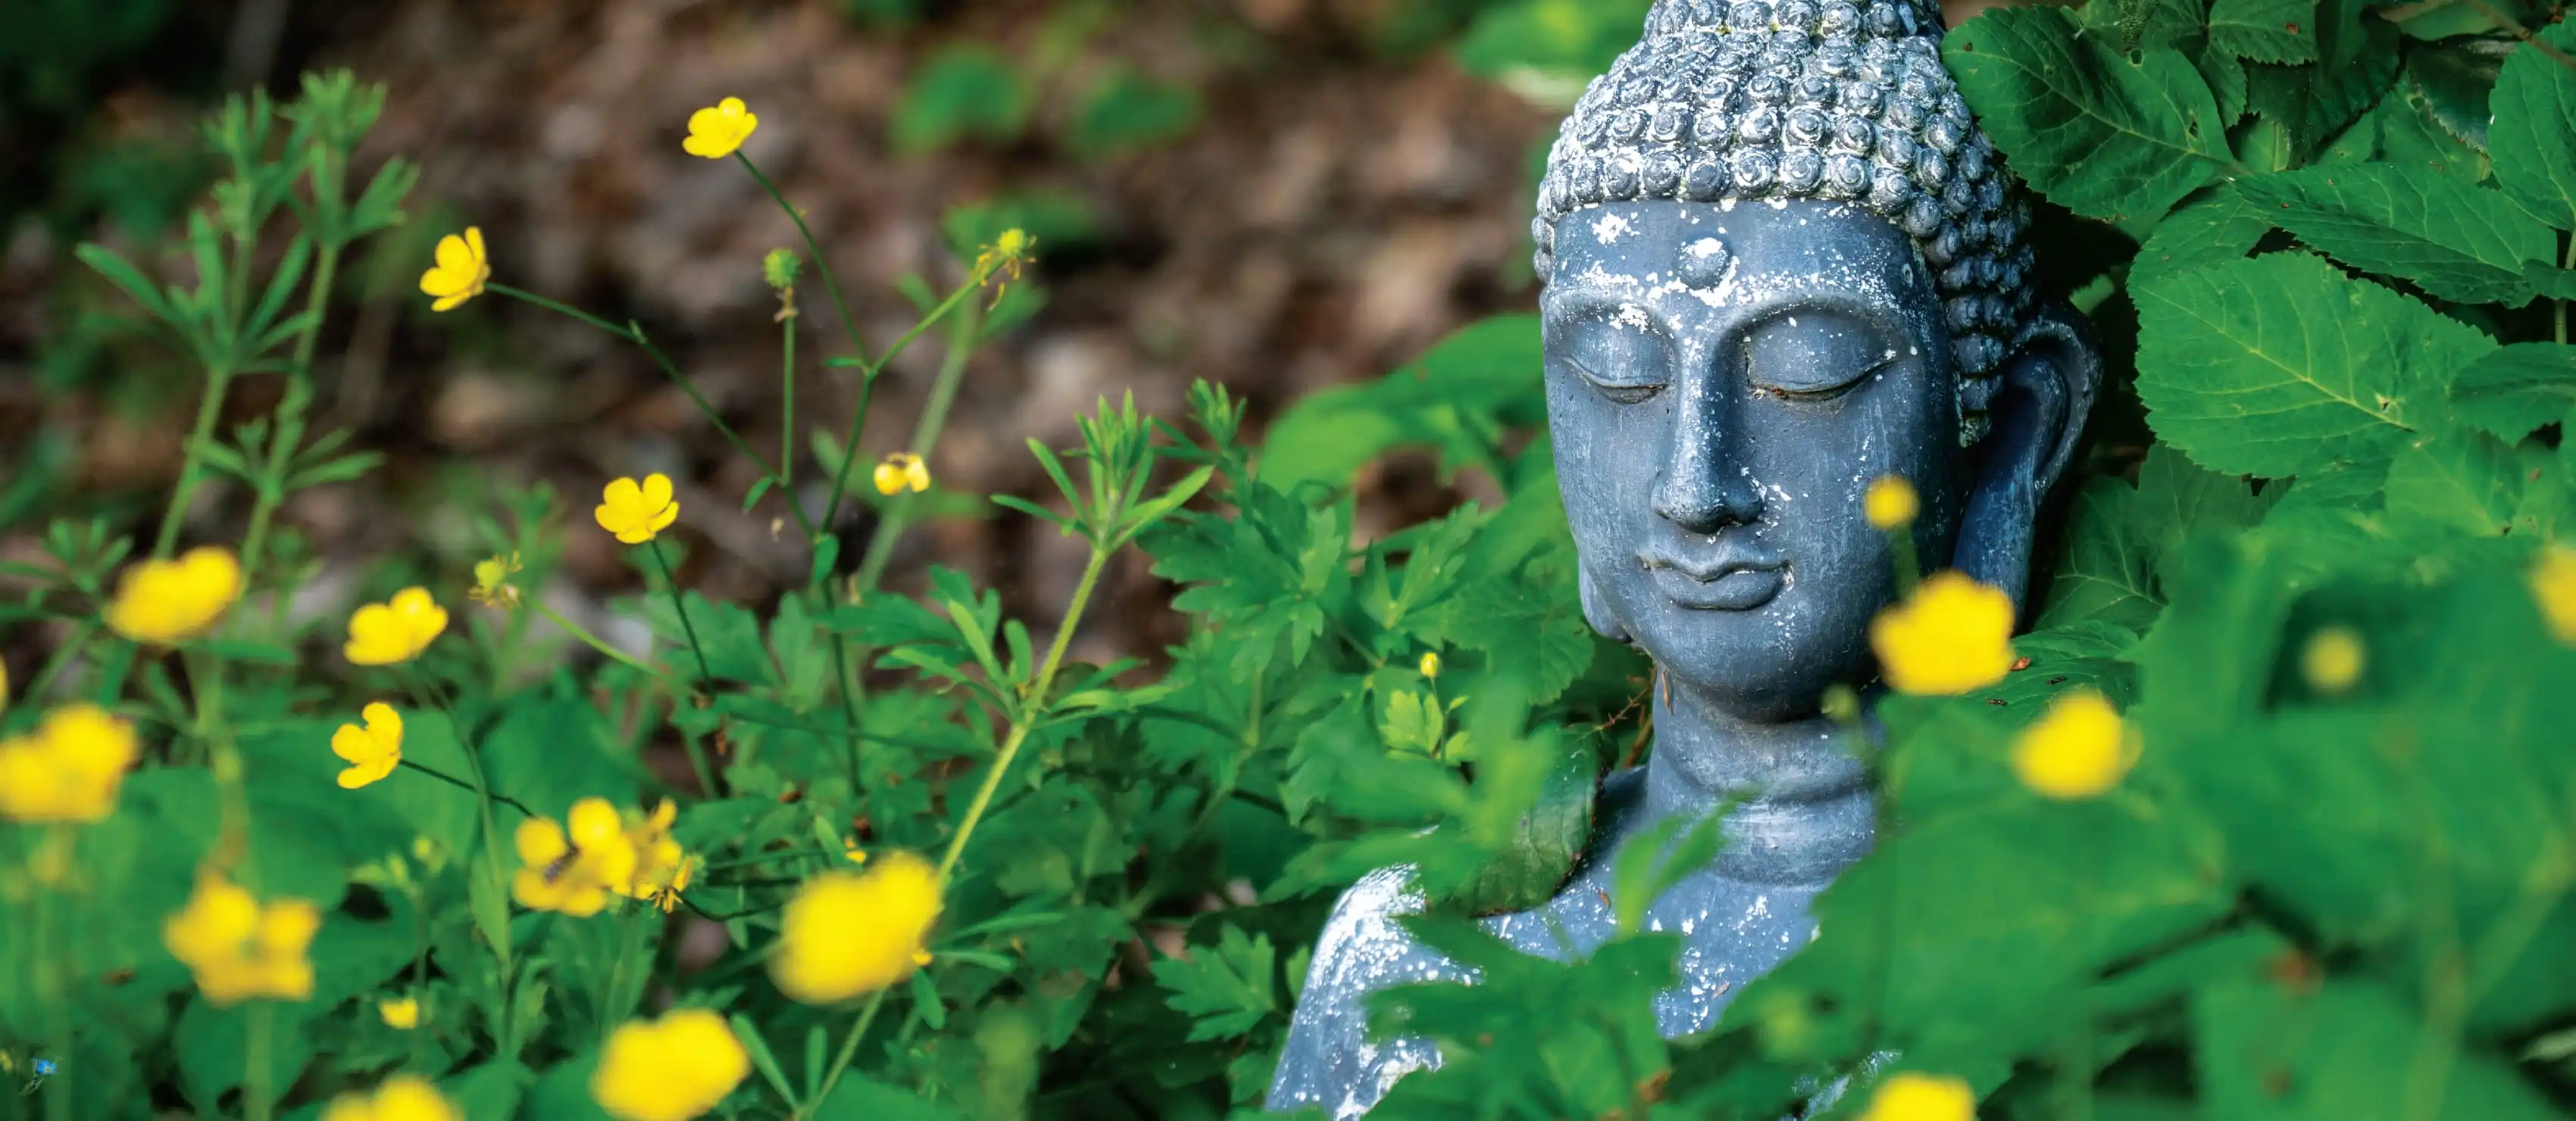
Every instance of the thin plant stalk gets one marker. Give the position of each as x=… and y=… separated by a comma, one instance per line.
x=823, y=264
x=787, y=403
x=1018, y=735
x=290, y=412
x=706, y=677
x=492, y=839
x=925, y=436
x=192, y=466
x=635, y=334
x=868, y=384
x=258, y=1096
x=596, y=643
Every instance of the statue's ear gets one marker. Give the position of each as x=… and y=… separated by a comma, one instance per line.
x=2037, y=416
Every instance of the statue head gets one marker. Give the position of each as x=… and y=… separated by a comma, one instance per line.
x=1780, y=262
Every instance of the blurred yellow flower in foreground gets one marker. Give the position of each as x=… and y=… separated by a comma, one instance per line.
x=671, y=1069
x=239, y=949
x=461, y=270
x=716, y=132
x=403, y=1097
x=900, y=472
x=572, y=870
x=165, y=601
x=1431, y=665
x=634, y=511
x=2553, y=582
x=1951, y=636
x=396, y=631
x=2333, y=659
x=2077, y=750
x=372, y=752
x=67, y=769
x=1890, y=502
x=845, y=936
x=1907, y=1096
x=400, y=1015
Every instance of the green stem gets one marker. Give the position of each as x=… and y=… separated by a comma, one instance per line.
x=210, y=409
x=257, y=1096
x=461, y=784
x=62, y=659
x=634, y=333
x=596, y=643
x=822, y=264
x=868, y=385
x=787, y=406
x=925, y=437
x=1019, y=734
x=290, y=413
x=706, y=677
x=492, y=840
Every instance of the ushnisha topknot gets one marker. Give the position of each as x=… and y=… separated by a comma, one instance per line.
x=1841, y=101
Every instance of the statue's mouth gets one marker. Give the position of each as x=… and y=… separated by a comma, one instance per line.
x=1726, y=583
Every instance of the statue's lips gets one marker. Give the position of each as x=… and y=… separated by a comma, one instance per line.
x=1728, y=586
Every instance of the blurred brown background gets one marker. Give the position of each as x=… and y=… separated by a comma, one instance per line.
x=1344, y=193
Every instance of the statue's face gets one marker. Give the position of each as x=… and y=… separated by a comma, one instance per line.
x=1724, y=381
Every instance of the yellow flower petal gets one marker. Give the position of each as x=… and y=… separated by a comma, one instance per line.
x=403, y=1097
x=844, y=936
x=1890, y=502
x=1907, y=1096
x=400, y=1015
x=1952, y=636
x=168, y=601
x=2553, y=584
x=671, y=1069
x=2078, y=749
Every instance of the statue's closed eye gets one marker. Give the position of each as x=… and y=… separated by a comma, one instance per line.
x=1814, y=355
x=1624, y=359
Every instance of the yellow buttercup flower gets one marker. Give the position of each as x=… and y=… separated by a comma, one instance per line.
x=845, y=936
x=2333, y=659
x=462, y=268
x=1890, y=502
x=573, y=869
x=1004, y=258
x=900, y=472
x=396, y=631
x=403, y=1097
x=372, y=752
x=240, y=949
x=68, y=769
x=2553, y=583
x=1431, y=665
x=166, y=601
x=851, y=851
x=661, y=870
x=2076, y=750
x=635, y=512
x=400, y=1015
x=716, y=133
x=1951, y=636
x=492, y=586
x=1907, y=1096
x=671, y=1069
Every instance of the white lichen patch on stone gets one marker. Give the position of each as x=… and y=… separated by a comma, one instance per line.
x=1609, y=228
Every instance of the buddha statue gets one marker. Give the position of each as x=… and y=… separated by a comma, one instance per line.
x=1779, y=261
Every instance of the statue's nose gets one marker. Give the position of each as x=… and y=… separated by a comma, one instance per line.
x=1704, y=488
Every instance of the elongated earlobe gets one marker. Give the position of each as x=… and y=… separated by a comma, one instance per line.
x=2038, y=416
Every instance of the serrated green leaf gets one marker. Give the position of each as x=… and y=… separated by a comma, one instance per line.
x=2121, y=533
x=2273, y=1052
x=2470, y=485
x=2213, y=230
x=2096, y=132
x=2530, y=140
x=2265, y=30
x=2513, y=391
x=2281, y=365
x=2455, y=240
x=2456, y=79
x=1226, y=989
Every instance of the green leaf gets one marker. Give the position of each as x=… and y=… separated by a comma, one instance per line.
x=2469, y=485
x=2456, y=80
x=2267, y=1051
x=1489, y=369
x=2514, y=391
x=2122, y=533
x=964, y=92
x=1541, y=851
x=1226, y=989
x=2533, y=148
x=1127, y=111
x=2265, y=30
x=2212, y=230
x=2455, y=240
x=2281, y=365
x=212, y=1046
x=2096, y=132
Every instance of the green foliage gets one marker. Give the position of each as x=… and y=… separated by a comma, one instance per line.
x=966, y=92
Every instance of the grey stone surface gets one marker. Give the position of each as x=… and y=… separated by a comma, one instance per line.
x=1732, y=356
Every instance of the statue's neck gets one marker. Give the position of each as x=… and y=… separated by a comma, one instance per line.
x=1805, y=809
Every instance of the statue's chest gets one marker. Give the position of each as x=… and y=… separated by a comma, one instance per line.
x=1732, y=932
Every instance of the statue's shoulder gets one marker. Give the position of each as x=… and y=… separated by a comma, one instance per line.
x=1329, y=1060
